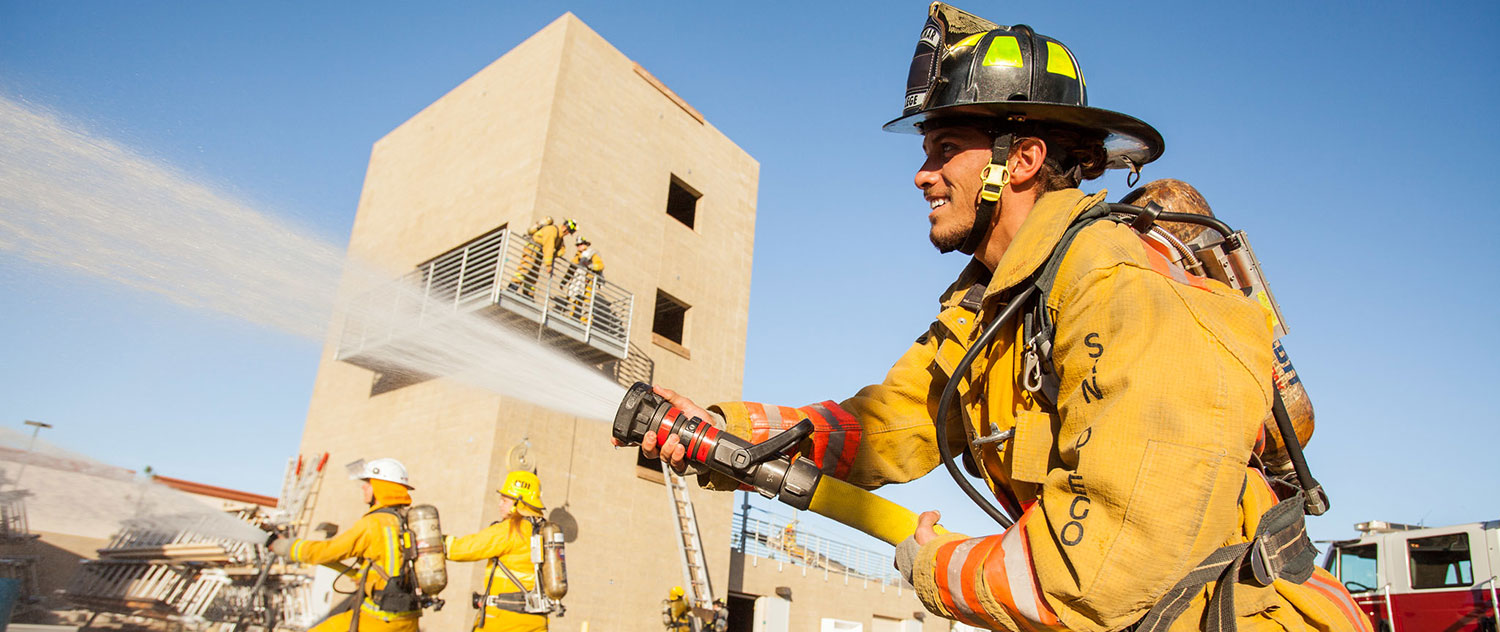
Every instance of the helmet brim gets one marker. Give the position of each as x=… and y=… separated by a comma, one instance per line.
x=1128, y=140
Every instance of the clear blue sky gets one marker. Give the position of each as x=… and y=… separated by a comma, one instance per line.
x=1354, y=142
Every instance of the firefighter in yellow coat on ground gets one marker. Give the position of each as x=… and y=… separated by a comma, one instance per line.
x=675, y=613
x=386, y=604
x=1128, y=456
x=508, y=543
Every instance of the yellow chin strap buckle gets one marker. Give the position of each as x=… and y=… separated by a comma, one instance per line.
x=994, y=181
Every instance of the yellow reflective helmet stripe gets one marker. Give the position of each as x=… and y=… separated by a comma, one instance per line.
x=1003, y=51
x=969, y=41
x=1060, y=62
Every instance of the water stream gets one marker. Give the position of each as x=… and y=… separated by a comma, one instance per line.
x=74, y=200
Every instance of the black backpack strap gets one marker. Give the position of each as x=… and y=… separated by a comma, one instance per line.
x=1038, y=375
x=399, y=593
x=1279, y=550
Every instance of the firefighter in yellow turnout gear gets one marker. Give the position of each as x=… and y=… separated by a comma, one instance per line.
x=545, y=245
x=587, y=272
x=384, y=605
x=675, y=613
x=1126, y=452
x=506, y=543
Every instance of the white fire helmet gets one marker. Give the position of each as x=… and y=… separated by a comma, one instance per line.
x=382, y=469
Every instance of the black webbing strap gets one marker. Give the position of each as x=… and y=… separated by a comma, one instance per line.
x=1039, y=377
x=359, y=604
x=494, y=561
x=1279, y=550
x=517, y=582
x=509, y=602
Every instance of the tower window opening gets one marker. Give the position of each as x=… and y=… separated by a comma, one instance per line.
x=682, y=202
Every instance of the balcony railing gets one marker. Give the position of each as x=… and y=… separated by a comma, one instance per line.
x=13, y=527
x=764, y=534
x=498, y=275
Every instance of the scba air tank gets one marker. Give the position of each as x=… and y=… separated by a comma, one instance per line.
x=430, y=565
x=554, y=562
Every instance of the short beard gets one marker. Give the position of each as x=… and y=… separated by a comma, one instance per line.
x=951, y=240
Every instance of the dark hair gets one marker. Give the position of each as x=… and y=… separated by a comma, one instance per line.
x=1073, y=155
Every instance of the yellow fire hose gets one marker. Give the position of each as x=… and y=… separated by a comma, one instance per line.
x=886, y=521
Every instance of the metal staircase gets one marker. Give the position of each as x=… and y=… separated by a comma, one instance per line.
x=696, y=584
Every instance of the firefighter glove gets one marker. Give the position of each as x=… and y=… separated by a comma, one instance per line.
x=906, y=557
x=280, y=546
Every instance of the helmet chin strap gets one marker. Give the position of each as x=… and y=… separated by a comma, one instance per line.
x=995, y=176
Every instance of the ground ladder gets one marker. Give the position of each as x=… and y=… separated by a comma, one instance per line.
x=699, y=593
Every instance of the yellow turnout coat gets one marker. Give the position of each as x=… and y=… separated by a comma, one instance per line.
x=1140, y=473
x=509, y=543
x=374, y=540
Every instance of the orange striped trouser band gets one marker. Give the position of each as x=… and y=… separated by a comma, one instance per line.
x=1011, y=580
x=1337, y=595
x=836, y=438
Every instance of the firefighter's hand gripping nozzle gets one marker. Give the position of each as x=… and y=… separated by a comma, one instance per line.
x=766, y=466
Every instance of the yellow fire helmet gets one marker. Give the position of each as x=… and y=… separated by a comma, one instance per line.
x=524, y=487
x=678, y=592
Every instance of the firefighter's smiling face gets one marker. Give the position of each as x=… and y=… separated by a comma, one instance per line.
x=949, y=180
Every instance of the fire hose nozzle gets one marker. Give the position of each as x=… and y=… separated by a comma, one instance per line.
x=767, y=466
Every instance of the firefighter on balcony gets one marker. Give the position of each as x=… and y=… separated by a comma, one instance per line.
x=546, y=242
x=506, y=544
x=1115, y=414
x=585, y=273
x=388, y=600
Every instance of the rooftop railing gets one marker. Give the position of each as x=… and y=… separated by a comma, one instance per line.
x=764, y=534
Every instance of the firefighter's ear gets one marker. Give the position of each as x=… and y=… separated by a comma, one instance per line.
x=1026, y=157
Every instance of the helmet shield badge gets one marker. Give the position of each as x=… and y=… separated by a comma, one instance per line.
x=945, y=26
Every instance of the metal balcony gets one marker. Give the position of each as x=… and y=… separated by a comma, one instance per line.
x=498, y=276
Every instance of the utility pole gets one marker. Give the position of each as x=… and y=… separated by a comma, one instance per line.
x=36, y=428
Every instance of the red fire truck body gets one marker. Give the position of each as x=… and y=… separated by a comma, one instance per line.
x=1414, y=579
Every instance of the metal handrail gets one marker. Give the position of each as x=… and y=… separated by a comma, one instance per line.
x=1494, y=596
x=1390, y=614
x=770, y=538
x=494, y=269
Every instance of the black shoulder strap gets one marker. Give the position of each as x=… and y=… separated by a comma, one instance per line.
x=1038, y=376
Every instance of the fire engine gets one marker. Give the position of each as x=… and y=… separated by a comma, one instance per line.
x=1414, y=579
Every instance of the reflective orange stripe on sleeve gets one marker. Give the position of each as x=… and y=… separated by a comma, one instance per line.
x=956, y=586
x=836, y=437
x=1011, y=580
x=764, y=419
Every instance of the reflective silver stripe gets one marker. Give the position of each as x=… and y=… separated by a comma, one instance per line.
x=773, y=418
x=955, y=574
x=1018, y=571
x=1178, y=274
